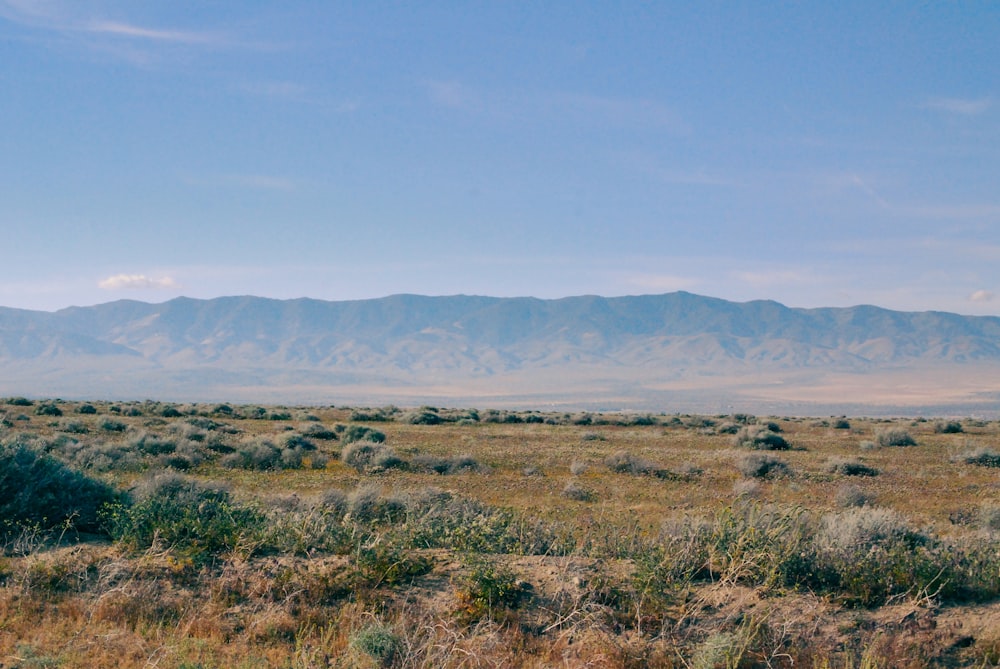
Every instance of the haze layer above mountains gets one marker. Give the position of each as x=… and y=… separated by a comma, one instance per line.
x=672, y=352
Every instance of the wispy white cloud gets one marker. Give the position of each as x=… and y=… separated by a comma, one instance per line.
x=136, y=282
x=839, y=182
x=961, y=106
x=102, y=33
x=127, y=30
x=981, y=296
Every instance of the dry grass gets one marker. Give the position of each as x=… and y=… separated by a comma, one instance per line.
x=612, y=566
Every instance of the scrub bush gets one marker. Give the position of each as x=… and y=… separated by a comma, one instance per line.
x=186, y=515
x=38, y=490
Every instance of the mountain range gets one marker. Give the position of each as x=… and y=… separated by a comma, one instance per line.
x=676, y=351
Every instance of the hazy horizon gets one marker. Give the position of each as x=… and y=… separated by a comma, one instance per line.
x=164, y=300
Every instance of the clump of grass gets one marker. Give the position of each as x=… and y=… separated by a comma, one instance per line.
x=850, y=468
x=366, y=456
x=423, y=416
x=319, y=431
x=948, y=427
x=186, y=515
x=72, y=427
x=761, y=465
x=488, y=590
x=149, y=443
x=575, y=491
x=848, y=496
x=729, y=427
x=370, y=416
x=623, y=462
x=759, y=438
x=112, y=425
x=989, y=518
x=355, y=433
x=438, y=519
x=746, y=489
x=297, y=442
x=378, y=642
x=48, y=409
x=984, y=457
x=894, y=437
x=367, y=504
x=388, y=564
x=263, y=455
x=444, y=465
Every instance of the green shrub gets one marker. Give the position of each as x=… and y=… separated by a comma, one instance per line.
x=377, y=641
x=867, y=555
x=948, y=427
x=86, y=409
x=488, y=588
x=438, y=519
x=431, y=463
x=443, y=465
x=848, y=496
x=260, y=455
x=367, y=505
x=112, y=425
x=984, y=457
x=317, y=431
x=72, y=427
x=151, y=444
x=759, y=438
x=370, y=456
x=363, y=416
x=623, y=462
x=851, y=468
x=186, y=515
x=20, y=402
x=387, y=564
x=423, y=416
x=48, y=409
x=577, y=492
x=36, y=489
x=761, y=465
x=893, y=437
x=362, y=433
x=298, y=441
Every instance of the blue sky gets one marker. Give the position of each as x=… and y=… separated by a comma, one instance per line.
x=819, y=154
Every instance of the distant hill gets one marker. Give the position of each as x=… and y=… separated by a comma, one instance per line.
x=676, y=351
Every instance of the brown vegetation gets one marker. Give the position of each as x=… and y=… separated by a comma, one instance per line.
x=240, y=536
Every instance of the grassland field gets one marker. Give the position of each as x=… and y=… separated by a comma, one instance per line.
x=152, y=534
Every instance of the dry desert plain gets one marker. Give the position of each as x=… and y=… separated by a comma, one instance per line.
x=142, y=534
